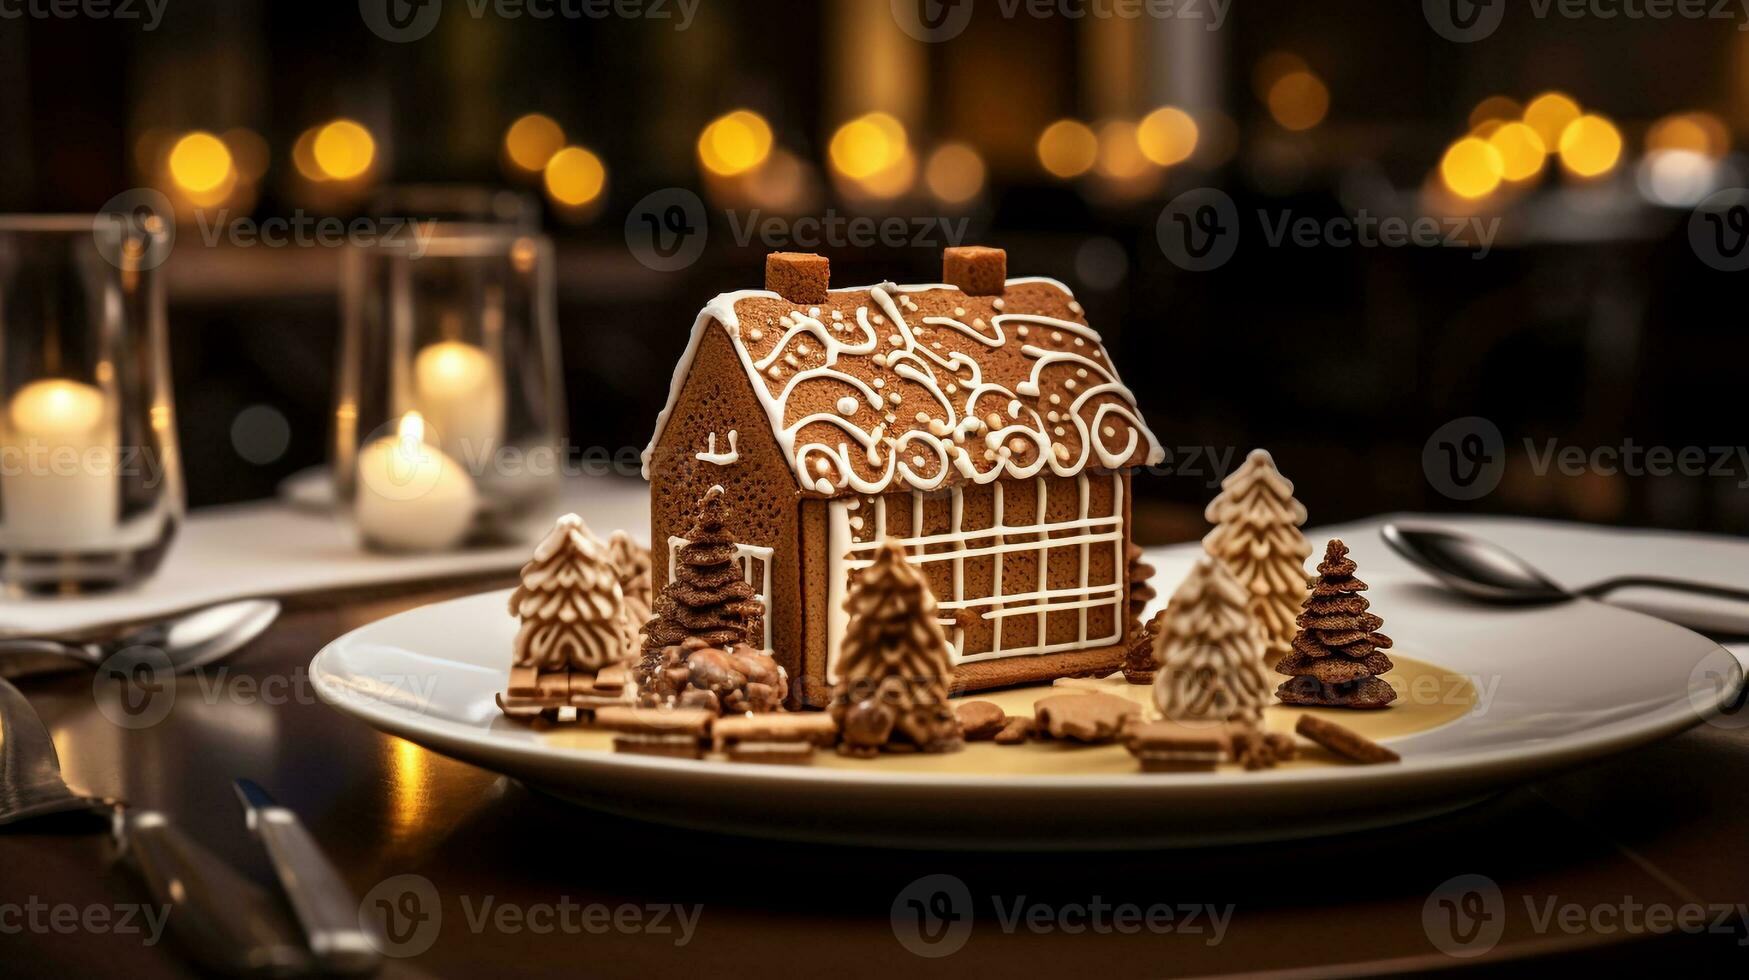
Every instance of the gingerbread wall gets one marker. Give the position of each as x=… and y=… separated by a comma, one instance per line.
x=761, y=492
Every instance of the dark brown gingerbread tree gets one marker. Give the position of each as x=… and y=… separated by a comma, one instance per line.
x=709, y=599
x=894, y=669
x=1138, y=663
x=1338, y=653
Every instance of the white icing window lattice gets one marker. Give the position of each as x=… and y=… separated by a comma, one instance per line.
x=755, y=568
x=1016, y=601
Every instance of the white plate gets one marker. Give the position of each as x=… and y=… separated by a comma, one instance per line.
x=1560, y=685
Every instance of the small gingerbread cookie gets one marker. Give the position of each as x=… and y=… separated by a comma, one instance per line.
x=1345, y=742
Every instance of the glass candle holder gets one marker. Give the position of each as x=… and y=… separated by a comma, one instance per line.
x=449, y=413
x=90, y=476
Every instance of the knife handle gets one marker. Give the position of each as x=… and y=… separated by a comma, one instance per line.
x=324, y=905
x=223, y=919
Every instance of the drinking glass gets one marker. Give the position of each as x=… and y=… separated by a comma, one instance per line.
x=90, y=476
x=449, y=358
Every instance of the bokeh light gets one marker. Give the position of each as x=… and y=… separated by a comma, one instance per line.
x=1590, y=146
x=1120, y=151
x=734, y=143
x=1495, y=108
x=1271, y=68
x=304, y=156
x=1522, y=151
x=867, y=145
x=1549, y=115
x=575, y=177
x=531, y=141
x=1298, y=100
x=1695, y=132
x=1068, y=148
x=344, y=150
x=955, y=173
x=200, y=163
x=249, y=152
x=1167, y=135
x=1472, y=168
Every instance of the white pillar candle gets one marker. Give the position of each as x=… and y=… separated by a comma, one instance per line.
x=412, y=497
x=58, y=479
x=460, y=392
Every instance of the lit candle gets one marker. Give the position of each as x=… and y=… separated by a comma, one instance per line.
x=412, y=497
x=58, y=482
x=457, y=387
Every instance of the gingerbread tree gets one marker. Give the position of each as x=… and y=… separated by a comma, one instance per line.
x=1210, y=651
x=709, y=599
x=1138, y=663
x=1257, y=535
x=1338, y=653
x=570, y=604
x=894, y=669
x=632, y=563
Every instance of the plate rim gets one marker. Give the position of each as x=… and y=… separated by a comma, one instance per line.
x=1571, y=748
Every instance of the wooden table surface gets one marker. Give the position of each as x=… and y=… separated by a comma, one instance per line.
x=1661, y=826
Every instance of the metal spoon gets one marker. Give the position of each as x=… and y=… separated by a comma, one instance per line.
x=1485, y=571
x=188, y=640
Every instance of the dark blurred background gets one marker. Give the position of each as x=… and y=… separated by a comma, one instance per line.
x=1591, y=319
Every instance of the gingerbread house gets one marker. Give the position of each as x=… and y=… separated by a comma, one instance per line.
x=978, y=422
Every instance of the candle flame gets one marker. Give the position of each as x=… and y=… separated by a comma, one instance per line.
x=412, y=430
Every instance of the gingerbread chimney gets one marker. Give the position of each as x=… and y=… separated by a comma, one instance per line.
x=800, y=277
x=976, y=270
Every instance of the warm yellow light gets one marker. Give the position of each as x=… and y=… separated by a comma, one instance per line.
x=1298, y=100
x=304, y=157
x=575, y=176
x=532, y=140
x=56, y=407
x=343, y=149
x=1695, y=132
x=735, y=143
x=1549, y=114
x=200, y=162
x=892, y=180
x=1522, y=151
x=1472, y=168
x=1068, y=148
x=1167, y=135
x=1120, y=151
x=955, y=173
x=867, y=145
x=1495, y=107
x=1590, y=146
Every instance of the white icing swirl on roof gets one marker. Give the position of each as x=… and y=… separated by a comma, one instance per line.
x=929, y=416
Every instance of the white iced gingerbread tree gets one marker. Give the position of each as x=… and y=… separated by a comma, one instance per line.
x=570, y=604
x=1257, y=536
x=1210, y=652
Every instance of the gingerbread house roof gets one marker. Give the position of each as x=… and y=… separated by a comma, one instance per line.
x=885, y=387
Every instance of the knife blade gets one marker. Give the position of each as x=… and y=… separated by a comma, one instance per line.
x=325, y=907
